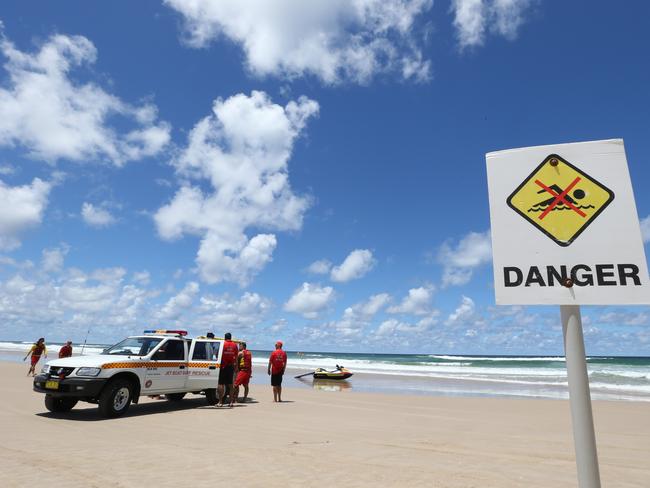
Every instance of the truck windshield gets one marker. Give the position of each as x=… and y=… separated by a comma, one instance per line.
x=133, y=346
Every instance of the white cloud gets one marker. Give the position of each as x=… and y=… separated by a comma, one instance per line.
x=472, y=251
x=219, y=312
x=96, y=216
x=142, y=277
x=322, y=266
x=21, y=208
x=417, y=302
x=464, y=313
x=177, y=304
x=334, y=40
x=242, y=149
x=645, y=229
x=355, y=266
x=53, y=259
x=359, y=316
x=473, y=19
x=53, y=117
x=309, y=300
x=391, y=327
x=621, y=317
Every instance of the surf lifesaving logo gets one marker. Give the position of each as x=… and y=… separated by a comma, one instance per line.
x=559, y=199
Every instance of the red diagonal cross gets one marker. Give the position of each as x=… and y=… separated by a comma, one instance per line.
x=560, y=199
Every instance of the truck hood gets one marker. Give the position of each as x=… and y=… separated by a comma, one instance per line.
x=91, y=361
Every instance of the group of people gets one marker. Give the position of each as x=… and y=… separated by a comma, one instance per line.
x=237, y=368
x=39, y=349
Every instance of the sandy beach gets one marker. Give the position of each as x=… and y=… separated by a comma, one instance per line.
x=315, y=438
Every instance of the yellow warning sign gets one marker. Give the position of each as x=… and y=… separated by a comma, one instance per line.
x=560, y=200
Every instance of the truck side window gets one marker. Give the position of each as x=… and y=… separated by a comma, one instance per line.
x=175, y=350
x=199, y=351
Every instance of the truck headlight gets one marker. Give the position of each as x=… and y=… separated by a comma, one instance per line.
x=88, y=371
x=46, y=369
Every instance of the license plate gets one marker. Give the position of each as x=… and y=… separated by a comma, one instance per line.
x=52, y=385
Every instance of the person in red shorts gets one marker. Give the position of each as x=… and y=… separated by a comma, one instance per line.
x=277, y=365
x=66, y=351
x=37, y=349
x=228, y=368
x=245, y=371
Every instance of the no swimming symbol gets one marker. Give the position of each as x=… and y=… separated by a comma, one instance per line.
x=570, y=199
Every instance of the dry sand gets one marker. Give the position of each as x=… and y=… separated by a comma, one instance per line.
x=316, y=438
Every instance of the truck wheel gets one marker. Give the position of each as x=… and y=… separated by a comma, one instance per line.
x=175, y=397
x=211, y=396
x=59, y=404
x=116, y=398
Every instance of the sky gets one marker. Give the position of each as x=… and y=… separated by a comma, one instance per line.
x=306, y=171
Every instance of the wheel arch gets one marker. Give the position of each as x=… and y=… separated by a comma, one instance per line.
x=132, y=378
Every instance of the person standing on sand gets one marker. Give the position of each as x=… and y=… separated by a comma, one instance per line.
x=277, y=365
x=245, y=371
x=37, y=349
x=66, y=351
x=228, y=368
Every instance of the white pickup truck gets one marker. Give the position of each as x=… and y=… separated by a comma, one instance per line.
x=159, y=362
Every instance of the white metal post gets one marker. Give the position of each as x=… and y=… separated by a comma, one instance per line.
x=579, y=398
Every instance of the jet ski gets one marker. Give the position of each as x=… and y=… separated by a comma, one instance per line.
x=340, y=373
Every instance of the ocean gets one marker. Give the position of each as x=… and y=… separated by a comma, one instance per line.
x=611, y=378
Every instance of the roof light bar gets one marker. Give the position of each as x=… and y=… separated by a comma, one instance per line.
x=166, y=331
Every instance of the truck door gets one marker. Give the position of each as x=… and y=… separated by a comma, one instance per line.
x=167, y=369
x=205, y=358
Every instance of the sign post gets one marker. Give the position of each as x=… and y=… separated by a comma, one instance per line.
x=584, y=436
x=565, y=231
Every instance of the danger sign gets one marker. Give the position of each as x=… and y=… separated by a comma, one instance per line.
x=564, y=226
x=560, y=199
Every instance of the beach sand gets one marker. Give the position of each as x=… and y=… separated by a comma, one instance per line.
x=315, y=438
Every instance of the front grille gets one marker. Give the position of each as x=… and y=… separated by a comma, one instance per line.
x=58, y=371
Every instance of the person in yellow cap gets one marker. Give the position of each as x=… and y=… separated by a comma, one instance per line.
x=277, y=365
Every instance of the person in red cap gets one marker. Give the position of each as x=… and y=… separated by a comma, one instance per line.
x=66, y=351
x=245, y=371
x=277, y=365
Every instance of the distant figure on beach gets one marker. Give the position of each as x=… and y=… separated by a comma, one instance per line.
x=228, y=368
x=245, y=371
x=277, y=365
x=37, y=349
x=66, y=351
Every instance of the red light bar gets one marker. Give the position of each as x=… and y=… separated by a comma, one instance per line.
x=166, y=331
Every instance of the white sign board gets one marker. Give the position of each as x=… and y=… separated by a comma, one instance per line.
x=565, y=230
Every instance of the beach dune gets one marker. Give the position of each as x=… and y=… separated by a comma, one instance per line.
x=315, y=438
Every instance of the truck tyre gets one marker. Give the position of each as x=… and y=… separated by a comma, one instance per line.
x=175, y=397
x=211, y=396
x=116, y=398
x=59, y=404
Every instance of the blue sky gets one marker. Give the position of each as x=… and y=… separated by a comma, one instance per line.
x=311, y=171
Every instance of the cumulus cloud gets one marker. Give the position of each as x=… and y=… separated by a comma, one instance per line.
x=464, y=313
x=459, y=262
x=356, y=265
x=242, y=150
x=334, y=40
x=417, y=302
x=179, y=303
x=322, y=266
x=96, y=216
x=309, y=300
x=240, y=313
x=21, y=208
x=53, y=259
x=43, y=110
x=391, y=327
x=645, y=229
x=474, y=19
x=356, y=317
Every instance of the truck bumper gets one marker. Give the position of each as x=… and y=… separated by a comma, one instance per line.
x=70, y=387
